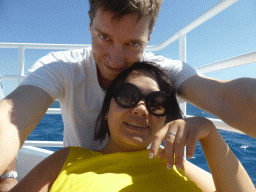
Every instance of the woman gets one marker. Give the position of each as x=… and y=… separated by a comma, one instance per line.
x=137, y=105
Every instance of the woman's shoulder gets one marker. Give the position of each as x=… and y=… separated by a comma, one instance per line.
x=78, y=153
x=63, y=151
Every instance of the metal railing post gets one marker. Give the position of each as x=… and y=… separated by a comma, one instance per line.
x=21, y=64
x=182, y=48
x=182, y=52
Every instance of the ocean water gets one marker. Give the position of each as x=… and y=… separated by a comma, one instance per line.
x=50, y=128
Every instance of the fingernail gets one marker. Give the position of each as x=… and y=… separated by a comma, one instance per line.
x=151, y=155
x=169, y=166
x=178, y=167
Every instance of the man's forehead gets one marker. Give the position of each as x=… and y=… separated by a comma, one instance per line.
x=116, y=19
x=105, y=22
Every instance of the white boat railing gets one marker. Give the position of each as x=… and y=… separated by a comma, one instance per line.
x=43, y=143
x=217, y=122
x=180, y=35
x=213, y=11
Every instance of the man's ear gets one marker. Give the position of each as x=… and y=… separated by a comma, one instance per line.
x=90, y=27
x=149, y=35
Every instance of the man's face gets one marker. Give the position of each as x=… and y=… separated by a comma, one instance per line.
x=117, y=44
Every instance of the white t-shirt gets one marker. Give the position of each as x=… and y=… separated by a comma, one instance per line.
x=71, y=77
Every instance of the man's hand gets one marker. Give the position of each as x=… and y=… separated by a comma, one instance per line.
x=7, y=184
x=187, y=131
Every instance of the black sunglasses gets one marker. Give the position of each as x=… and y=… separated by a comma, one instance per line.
x=127, y=95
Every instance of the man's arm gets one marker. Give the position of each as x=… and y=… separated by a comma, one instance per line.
x=20, y=112
x=232, y=101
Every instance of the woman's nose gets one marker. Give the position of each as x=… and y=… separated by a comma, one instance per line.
x=140, y=109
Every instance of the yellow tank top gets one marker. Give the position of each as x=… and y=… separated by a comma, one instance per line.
x=86, y=170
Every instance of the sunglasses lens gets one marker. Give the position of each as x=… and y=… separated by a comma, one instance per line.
x=127, y=95
x=157, y=103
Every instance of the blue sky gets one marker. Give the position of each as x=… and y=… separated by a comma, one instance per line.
x=228, y=34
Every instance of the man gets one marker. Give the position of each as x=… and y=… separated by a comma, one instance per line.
x=120, y=31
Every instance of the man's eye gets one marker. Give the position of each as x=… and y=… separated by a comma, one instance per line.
x=134, y=44
x=104, y=37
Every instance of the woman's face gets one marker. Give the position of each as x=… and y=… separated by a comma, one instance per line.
x=133, y=129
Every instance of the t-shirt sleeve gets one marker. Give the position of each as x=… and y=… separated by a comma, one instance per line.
x=178, y=71
x=50, y=74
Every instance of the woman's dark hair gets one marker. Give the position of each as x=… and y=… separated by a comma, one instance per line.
x=164, y=83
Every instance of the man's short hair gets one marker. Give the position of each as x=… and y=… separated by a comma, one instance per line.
x=143, y=8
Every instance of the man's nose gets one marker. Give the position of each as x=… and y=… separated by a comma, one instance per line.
x=116, y=56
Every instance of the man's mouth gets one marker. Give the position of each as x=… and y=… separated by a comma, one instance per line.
x=119, y=69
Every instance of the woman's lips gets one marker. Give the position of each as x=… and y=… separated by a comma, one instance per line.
x=136, y=126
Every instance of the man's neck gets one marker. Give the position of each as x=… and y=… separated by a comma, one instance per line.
x=104, y=83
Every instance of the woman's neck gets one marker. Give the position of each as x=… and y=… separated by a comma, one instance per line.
x=112, y=147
